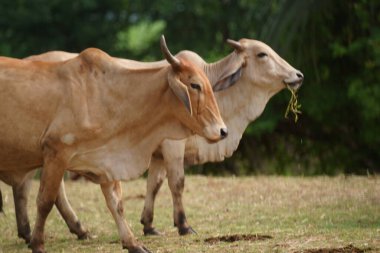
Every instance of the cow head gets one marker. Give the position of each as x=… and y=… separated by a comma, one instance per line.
x=190, y=84
x=264, y=67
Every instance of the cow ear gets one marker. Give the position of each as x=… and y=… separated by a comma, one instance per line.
x=227, y=81
x=180, y=90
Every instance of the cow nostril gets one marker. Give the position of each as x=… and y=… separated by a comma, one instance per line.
x=300, y=75
x=223, y=132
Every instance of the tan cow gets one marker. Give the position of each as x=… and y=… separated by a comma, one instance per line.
x=21, y=182
x=94, y=116
x=257, y=73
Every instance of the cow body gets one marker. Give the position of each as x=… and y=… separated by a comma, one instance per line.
x=79, y=117
x=96, y=117
x=256, y=73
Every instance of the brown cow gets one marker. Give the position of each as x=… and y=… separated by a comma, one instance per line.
x=94, y=116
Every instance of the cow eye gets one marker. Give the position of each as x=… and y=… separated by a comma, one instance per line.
x=195, y=86
x=261, y=55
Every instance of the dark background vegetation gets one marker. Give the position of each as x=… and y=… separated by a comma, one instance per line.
x=336, y=44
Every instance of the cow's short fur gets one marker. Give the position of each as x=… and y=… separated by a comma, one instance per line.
x=256, y=73
x=94, y=116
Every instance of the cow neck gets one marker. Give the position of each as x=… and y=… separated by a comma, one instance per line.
x=140, y=131
x=114, y=99
x=239, y=105
x=145, y=97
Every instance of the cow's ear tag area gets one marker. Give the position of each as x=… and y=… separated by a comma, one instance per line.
x=180, y=90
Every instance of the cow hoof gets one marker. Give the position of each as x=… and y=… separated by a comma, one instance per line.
x=27, y=240
x=186, y=231
x=139, y=249
x=37, y=246
x=151, y=231
x=40, y=250
x=81, y=232
x=24, y=233
x=25, y=237
x=85, y=236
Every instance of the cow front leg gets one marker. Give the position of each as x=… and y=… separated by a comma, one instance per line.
x=156, y=175
x=113, y=195
x=52, y=174
x=69, y=215
x=176, y=182
x=20, y=197
x=173, y=153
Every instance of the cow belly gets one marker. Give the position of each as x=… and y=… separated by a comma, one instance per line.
x=18, y=157
x=20, y=136
x=19, y=145
x=101, y=166
x=15, y=178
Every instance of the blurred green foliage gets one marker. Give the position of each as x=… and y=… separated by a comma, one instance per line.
x=336, y=44
x=139, y=37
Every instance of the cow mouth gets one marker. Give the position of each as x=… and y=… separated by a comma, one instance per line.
x=294, y=84
x=212, y=141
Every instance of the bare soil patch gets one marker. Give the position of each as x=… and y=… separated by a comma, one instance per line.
x=234, y=238
x=347, y=249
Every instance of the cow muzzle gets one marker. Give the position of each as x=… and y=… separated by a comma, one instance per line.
x=295, y=82
x=215, y=133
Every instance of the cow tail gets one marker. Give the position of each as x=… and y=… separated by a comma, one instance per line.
x=1, y=202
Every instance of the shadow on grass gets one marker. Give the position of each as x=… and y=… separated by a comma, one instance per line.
x=234, y=238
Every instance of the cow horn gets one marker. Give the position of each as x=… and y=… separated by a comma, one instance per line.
x=168, y=56
x=235, y=44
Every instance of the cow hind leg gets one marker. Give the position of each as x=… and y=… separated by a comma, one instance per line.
x=113, y=196
x=1, y=202
x=69, y=215
x=52, y=174
x=156, y=175
x=20, y=197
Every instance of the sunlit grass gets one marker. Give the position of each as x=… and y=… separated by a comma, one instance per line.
x=299, y=213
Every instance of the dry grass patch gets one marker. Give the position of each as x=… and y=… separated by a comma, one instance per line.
x=347, y=249
x=300, y=214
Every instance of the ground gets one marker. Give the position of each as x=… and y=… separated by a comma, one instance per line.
x=230, y=214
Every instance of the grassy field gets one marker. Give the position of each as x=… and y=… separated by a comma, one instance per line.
x=299, y=214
